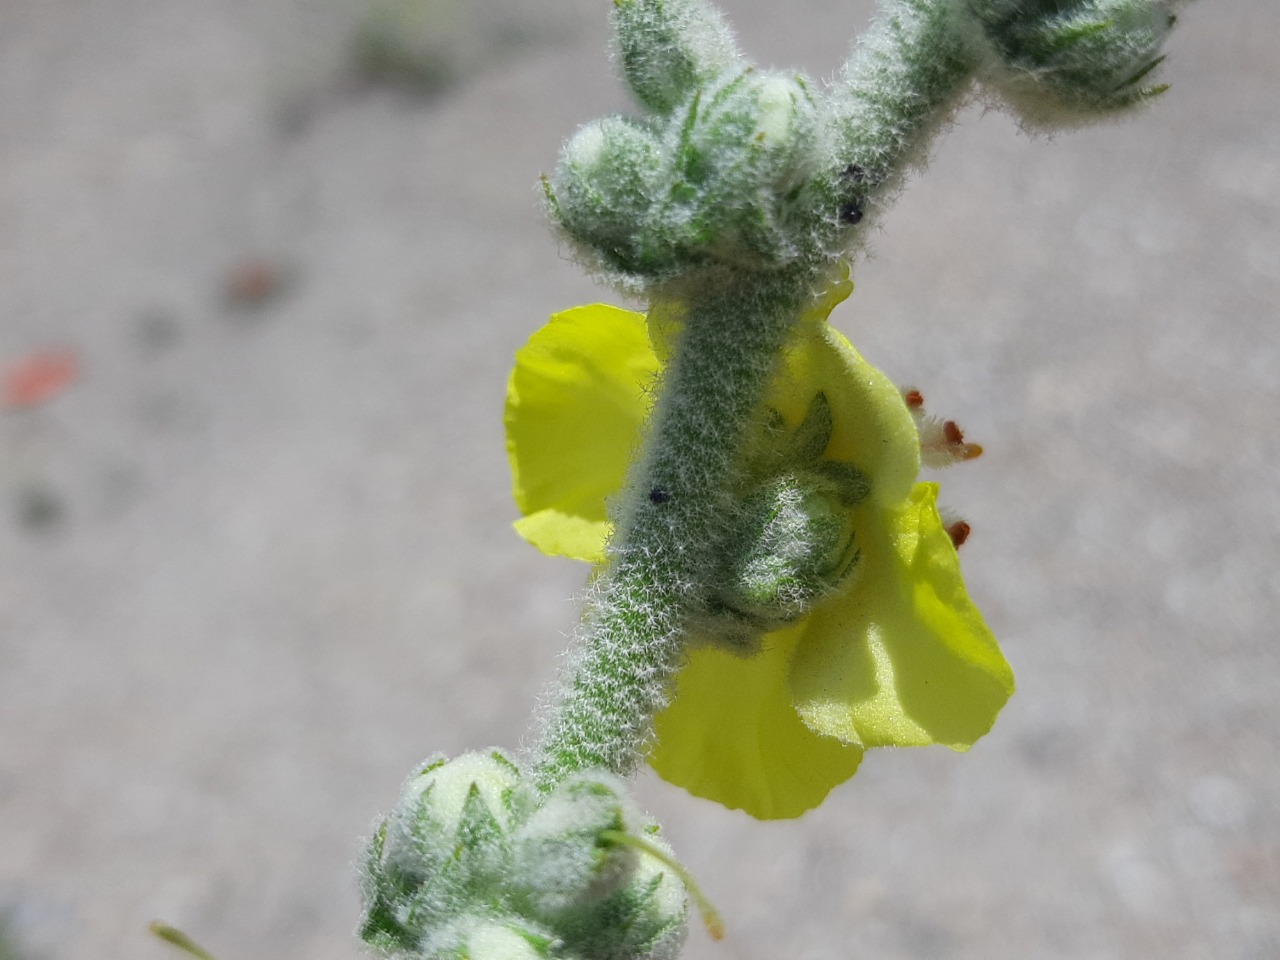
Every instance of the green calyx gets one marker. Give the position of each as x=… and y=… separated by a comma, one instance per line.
x=1063, y=62
x=474, y=865
x=793, y=546
x=792, y=541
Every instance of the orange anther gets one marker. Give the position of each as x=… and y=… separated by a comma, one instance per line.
x=959, y=533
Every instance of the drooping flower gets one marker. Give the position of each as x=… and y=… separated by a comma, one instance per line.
x=889, y=652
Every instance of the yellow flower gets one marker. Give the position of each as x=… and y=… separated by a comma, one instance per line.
x=895, y=654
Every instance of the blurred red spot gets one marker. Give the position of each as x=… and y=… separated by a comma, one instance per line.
x=914, y=399
x=959, y=533
x=252, y=281
x=40, y=376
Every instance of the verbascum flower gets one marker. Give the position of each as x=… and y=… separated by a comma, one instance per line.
x=840, y=620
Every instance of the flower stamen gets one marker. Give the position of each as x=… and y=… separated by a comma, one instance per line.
x=942, y=442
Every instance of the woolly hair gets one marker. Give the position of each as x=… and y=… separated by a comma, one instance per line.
x=669, y=48
x=1061, y=64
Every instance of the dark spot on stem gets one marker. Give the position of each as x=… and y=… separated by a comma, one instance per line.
x=850, y=213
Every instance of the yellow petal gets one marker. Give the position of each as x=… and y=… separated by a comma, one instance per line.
x=872, y=427
x=575, y=403
x=732, y=735
x=559, y=534
x=904, y=657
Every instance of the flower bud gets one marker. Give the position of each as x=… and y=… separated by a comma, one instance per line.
x=586, y=865
x=447, y=803
x=563, y=854
x=442, y=849
x=654, y=901
x=1068, y=62
x=792, y=546
x=755, y=128
x=668, y=48
x=605, y=185
x=474, y=865
x=738, y=150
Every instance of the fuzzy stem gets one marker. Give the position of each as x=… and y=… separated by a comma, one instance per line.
x=670, y=520
x=904, y=82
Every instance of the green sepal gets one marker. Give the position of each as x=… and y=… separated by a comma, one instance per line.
x=379, y=926
x=482, y=847
x=814, y=433
x=851, y=485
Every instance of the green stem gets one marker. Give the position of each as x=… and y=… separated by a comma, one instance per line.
x=908, y=75
x=671, y=514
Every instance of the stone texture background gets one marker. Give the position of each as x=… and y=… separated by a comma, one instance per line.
x=256, y=561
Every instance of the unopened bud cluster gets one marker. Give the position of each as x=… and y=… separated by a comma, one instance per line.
x=737, y=169
x=717, y=176
x=714, y=183
x=474, y=864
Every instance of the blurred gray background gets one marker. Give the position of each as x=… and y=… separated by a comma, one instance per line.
x=255, y=561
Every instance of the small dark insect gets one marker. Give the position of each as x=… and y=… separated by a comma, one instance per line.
x=850, y=213
x=658, y=495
